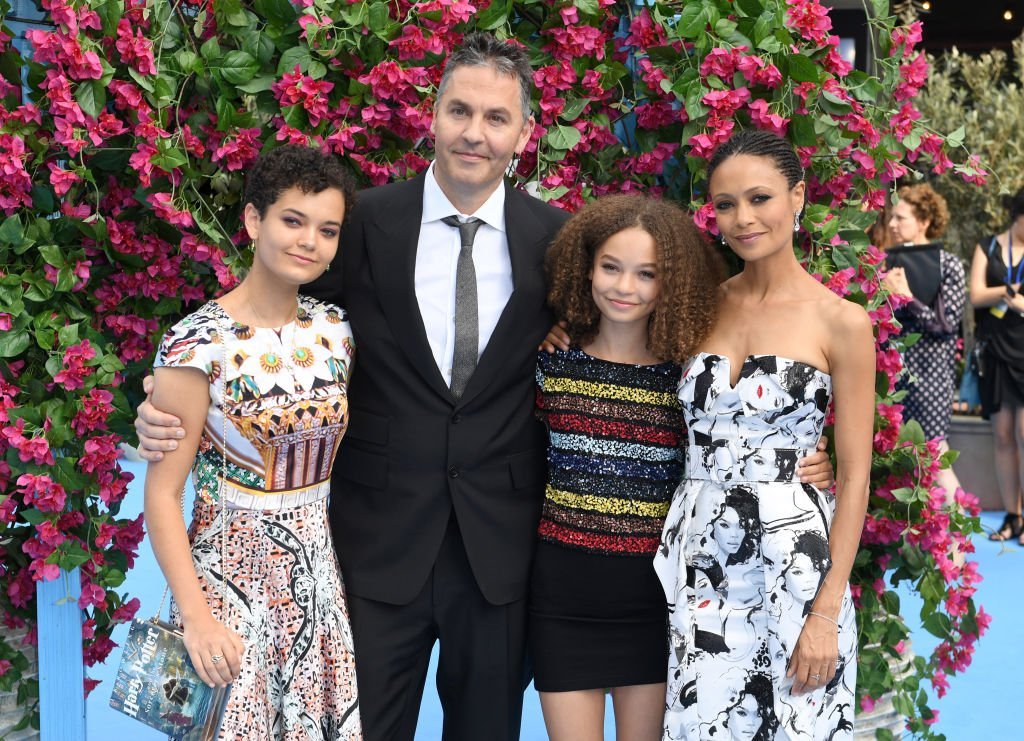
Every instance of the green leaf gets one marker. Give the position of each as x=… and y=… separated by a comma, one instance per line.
x=53, y=255
x=833, y=104
x=109, y=13
x=46, y=338
x=91, y=96
x=211, y=49
x=905, y=494
x=573, y=108
x=280, y=12
x=68, y=334
x=937, y=624
x=588, y=7
x=43, y=198
x=956, y=137
x=692, y=21
x=912, y=432
x=258, y=84
x=14, y=342
x=294, y=116
x=296, y=56
x=238, y=67
x=764, y=26
x=32, y=516
x=317, y=70
x=11, y=232
x=751, y=7
x=879, y=8
x=143, y=81
x=803, y=131
x=379, y=18
x=563, y=137
x=912, y=140
x=188, y=60
x=494, y=16
x=70, y=555
x=802, y=69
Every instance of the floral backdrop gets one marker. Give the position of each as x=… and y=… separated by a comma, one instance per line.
x=125, y=138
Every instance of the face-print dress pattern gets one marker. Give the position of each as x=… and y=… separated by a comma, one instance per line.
x=743, y=553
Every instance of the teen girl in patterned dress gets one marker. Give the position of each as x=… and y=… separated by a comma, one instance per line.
x=264, y=608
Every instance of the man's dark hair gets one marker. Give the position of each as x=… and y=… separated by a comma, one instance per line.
x=296, y=166
x=504, y=57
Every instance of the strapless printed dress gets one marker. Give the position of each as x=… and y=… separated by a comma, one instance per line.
x=743, y=554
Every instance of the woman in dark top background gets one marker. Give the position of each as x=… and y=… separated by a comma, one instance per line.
x=996, y=272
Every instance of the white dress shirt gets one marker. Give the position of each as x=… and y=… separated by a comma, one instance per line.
x=437, y=256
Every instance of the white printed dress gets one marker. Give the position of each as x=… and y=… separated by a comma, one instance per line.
x=743, y=554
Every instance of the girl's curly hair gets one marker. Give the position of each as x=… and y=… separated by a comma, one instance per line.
x=688, y=269
x=927, y=205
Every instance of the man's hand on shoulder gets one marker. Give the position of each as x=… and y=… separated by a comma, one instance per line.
x=158, y=432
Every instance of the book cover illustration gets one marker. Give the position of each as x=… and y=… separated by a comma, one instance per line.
x=157, y=685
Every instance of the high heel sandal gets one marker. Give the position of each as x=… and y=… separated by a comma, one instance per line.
x=1011, y=528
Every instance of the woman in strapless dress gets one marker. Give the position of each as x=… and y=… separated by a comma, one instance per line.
x=755, y=565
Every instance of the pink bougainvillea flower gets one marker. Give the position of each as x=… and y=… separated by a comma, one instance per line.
x=414, y=43
x=74, y=369
x=809, y=19
x=41, y=492
x=762, y=117
x=241, y=151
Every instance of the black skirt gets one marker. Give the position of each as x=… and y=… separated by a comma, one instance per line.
x=595, y=621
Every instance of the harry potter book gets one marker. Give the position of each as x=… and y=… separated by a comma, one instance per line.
x=158, y=685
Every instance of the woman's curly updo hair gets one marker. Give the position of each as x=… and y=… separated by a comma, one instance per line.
x=927, y=205
x=758, y=143
x=296, y=166
x=688, y=271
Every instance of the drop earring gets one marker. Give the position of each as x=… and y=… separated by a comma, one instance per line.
x=796, y=222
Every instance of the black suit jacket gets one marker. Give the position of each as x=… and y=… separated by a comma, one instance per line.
x=412, y=453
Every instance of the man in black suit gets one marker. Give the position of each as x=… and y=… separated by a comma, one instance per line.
x=438, y=484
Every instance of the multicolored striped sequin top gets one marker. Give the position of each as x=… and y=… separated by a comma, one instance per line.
x=615, y=456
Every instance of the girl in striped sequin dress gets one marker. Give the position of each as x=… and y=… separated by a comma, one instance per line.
x=635, y=282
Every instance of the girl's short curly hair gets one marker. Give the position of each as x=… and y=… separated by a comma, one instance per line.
x=927, y=205
x=296, y=166
x=688, y=269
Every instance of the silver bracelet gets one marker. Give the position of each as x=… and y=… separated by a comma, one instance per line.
x=824, y=617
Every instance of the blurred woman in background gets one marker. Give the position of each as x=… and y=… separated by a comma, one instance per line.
x=920, y=217
x=996, y=271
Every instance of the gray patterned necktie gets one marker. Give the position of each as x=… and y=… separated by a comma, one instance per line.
x=467, y=324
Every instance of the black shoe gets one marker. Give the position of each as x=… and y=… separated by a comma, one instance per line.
x=1010, y=529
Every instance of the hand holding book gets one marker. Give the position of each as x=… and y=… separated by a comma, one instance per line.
x=216, y=650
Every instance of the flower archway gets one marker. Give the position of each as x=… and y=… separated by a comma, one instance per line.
x=125, y=137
